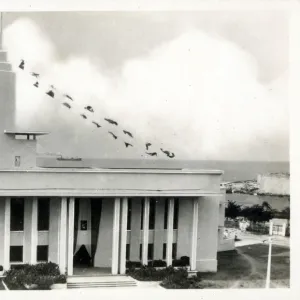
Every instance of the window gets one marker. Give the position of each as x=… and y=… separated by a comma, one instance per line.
x=127, y=251
x=43, y=213
x=42, y=253
x=17, y=214
x=129, y=214
x=150, y=251
x=176, y=211
x=174, y=251
x=16, y=253
x=166, y=214
x=152, y=213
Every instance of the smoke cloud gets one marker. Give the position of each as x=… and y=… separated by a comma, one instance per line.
x=197, y=95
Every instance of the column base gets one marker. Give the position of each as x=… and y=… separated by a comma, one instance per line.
x=207, y=265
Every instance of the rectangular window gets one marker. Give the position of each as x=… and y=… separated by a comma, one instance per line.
x=174, y=251
x=127, y=251
x=16, y=253
x=142, y=215
x=43, y=214
x=150, y=251
x=152, y=213
x=166, y=214
x=17, y=214
x=42, y=253
x=129, y=214
x=176, y=211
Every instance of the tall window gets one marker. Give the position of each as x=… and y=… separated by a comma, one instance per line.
x=17, y=214
x=174, y=251
x=43, y=213
x=129, y=214
x=152, y=213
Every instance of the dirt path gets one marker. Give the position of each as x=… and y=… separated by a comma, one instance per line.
x=254, y=270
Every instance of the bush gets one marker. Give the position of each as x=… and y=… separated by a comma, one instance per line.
x=180, y=263
x=133, y=264
x=157, y=264
x=1, y=268
x=147, y=273
x=43, y=275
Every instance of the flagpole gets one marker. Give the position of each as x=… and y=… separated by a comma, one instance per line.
x=268, y=279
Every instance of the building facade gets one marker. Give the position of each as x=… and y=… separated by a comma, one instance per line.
x=59, y=210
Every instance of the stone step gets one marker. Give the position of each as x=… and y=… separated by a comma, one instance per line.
x=100, y=284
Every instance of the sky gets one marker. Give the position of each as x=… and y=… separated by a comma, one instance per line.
x=204, y=85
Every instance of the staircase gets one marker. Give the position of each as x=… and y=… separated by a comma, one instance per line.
x=79, y=282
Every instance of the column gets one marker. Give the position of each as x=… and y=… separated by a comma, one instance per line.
x=30, y=230
x=124, y=213
x=170, y=231
x=71, y=235
x=5, y=233
x=145, y=231
x=63, y=235
x=54, y=229
x=135, y=229
x=194, y=237
x=115, y=237
x=159, y=233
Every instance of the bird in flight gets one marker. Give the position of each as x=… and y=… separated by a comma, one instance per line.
x=67, y=105
x=69, y=97
x=89, y=108
x=128, y=144
x=50, y=93
x=111, y=121
x=36, y=75
x=148, y=145
x=36, y=84
x=113, y=135
x=21, y=66
x=168, y=153
x=128, y=133
x=152, y=153
x=84, y=116
x=98, y=126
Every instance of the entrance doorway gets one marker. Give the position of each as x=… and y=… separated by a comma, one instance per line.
x=87, y=216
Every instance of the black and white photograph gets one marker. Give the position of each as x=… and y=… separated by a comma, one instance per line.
x=144, y=150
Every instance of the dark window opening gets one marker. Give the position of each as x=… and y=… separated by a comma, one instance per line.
x=176, y=212
x=129, y=214
x=152, y=213
x=127, y=251
x=16, y=254
x=17, y=214
x=174, y=251
x=141, y=249
x=43, y=213
x=42, y=253
x=150, y=251
x=166, y=214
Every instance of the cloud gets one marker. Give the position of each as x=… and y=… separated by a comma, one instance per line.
x=197, y=95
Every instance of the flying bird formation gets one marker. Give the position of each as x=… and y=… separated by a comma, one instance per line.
x=89, y=108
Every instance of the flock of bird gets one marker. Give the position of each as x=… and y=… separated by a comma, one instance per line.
x=51, y=93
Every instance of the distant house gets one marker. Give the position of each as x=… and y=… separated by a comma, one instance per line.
x=278, y=227
x=66, y=212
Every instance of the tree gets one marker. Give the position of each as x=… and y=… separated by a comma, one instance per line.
x=258, y=213
x=232, y=210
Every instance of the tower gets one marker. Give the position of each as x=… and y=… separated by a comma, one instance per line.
x=17, y=147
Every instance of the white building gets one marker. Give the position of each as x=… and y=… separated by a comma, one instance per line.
x=50, y=207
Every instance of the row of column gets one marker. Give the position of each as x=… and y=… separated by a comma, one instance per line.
x=119, y=240
x=57, y=232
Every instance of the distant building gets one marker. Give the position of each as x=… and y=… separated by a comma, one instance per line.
x=62, y=211
x=274, y=183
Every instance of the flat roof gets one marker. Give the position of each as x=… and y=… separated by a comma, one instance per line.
x=25, y=132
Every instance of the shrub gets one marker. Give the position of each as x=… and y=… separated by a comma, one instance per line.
x=1, y=268
x=185, y=259
x=157, y=263
x=43, y=274
x=147, y=273
x=179, y=263
x=133, y=264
